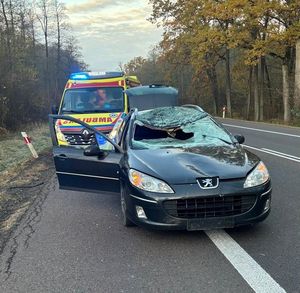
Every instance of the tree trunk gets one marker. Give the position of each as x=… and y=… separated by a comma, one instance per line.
x=297, y=79
x=228, y=83
x=8, y=43
x=33, y=40
x=271, y=102
x=286, y=93
x=262, y=82
x=58, y=57
x=256, y=94
x=12, y=22
x=249, y=93
x=213, y=81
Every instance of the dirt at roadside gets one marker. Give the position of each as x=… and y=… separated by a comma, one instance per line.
x=19, y=189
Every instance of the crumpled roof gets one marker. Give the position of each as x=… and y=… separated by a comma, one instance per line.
x=170, y=117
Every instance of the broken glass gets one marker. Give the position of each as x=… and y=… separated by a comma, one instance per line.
x=179, y=127
x=168, y=117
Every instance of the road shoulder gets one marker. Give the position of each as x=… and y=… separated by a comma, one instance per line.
x=20, y=190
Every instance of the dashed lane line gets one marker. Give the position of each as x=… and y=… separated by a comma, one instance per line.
x=262, y=130
x=258, y=279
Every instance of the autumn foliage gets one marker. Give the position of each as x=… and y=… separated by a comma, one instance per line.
x=238, y=53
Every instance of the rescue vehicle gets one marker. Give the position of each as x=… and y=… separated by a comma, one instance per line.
x=96, y=98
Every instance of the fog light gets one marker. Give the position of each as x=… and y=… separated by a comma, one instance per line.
x=140, y=212
x=267, y=204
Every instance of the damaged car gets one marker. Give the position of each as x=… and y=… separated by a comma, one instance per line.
x=175, y=167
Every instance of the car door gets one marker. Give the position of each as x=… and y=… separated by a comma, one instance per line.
x=84, y=167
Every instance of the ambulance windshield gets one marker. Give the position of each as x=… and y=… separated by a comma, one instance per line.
x=93, y=100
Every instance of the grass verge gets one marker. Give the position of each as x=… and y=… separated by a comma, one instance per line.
x=22, y=178
x=14, y=152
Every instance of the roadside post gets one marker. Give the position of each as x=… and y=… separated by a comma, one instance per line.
x=224, y=111
x=27, y=141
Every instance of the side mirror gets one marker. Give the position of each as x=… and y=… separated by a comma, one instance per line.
x=54, y=109
x=93, y=150
x=240, y=138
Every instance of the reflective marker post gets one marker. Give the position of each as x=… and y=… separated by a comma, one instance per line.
x=27, y=141
x=224, y=111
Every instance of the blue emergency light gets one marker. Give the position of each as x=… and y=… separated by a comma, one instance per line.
x=79, y=76
x=95, y=75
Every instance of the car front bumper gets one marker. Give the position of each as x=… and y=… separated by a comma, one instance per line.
x=158, y=217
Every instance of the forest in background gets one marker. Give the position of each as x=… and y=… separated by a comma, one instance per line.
x=37, y=54
x=235, y=53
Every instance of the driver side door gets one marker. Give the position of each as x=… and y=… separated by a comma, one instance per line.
x=84, y=167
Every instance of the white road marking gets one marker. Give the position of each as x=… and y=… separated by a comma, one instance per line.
x=258, y=279
x=280, y=153
x=263, y=130
x=275, y=153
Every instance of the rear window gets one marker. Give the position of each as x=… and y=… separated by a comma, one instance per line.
x=93, y=100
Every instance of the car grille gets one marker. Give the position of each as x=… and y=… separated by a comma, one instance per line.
x=209, y=207
x=79, y=139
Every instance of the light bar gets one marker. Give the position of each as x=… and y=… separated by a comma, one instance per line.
x=79, y=76
x=95, y=75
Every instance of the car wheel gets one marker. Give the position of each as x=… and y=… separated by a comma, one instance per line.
x=126, y=221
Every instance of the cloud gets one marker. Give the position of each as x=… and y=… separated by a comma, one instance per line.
x=112, y=31
x=119, y=22
x=89, y=5
x=129, y=16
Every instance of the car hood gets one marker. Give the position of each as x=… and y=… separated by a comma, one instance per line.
x=184, y=166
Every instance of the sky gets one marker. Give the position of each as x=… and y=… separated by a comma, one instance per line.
x=110, y=32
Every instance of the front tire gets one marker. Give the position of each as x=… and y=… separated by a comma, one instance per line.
x=125, y=219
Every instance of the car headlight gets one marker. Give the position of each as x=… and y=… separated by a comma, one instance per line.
x=258, y=176
x=148, y=183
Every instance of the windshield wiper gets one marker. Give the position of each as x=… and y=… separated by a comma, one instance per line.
x=227, y=142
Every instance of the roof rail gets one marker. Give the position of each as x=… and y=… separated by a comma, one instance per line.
x=193, y=106
x=157, y=85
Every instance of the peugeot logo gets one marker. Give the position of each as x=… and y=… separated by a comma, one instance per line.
x=208, y=182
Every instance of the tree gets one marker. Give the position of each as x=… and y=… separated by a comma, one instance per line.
x=284, y=32
x=43, y=17
x=241, y=52
x=297, y=81
x=61, y=27
x=134, y=65
x=25, y=86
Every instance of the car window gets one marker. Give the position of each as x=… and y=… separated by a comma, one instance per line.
x=179, y=127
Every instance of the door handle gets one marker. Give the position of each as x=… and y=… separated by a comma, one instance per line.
x=62, y=157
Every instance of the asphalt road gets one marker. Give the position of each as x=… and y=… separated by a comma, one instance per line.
x=75, y=242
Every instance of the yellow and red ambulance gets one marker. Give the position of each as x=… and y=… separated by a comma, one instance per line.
x=96, y=98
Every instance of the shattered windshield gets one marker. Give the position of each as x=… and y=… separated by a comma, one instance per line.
x=180, y=127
